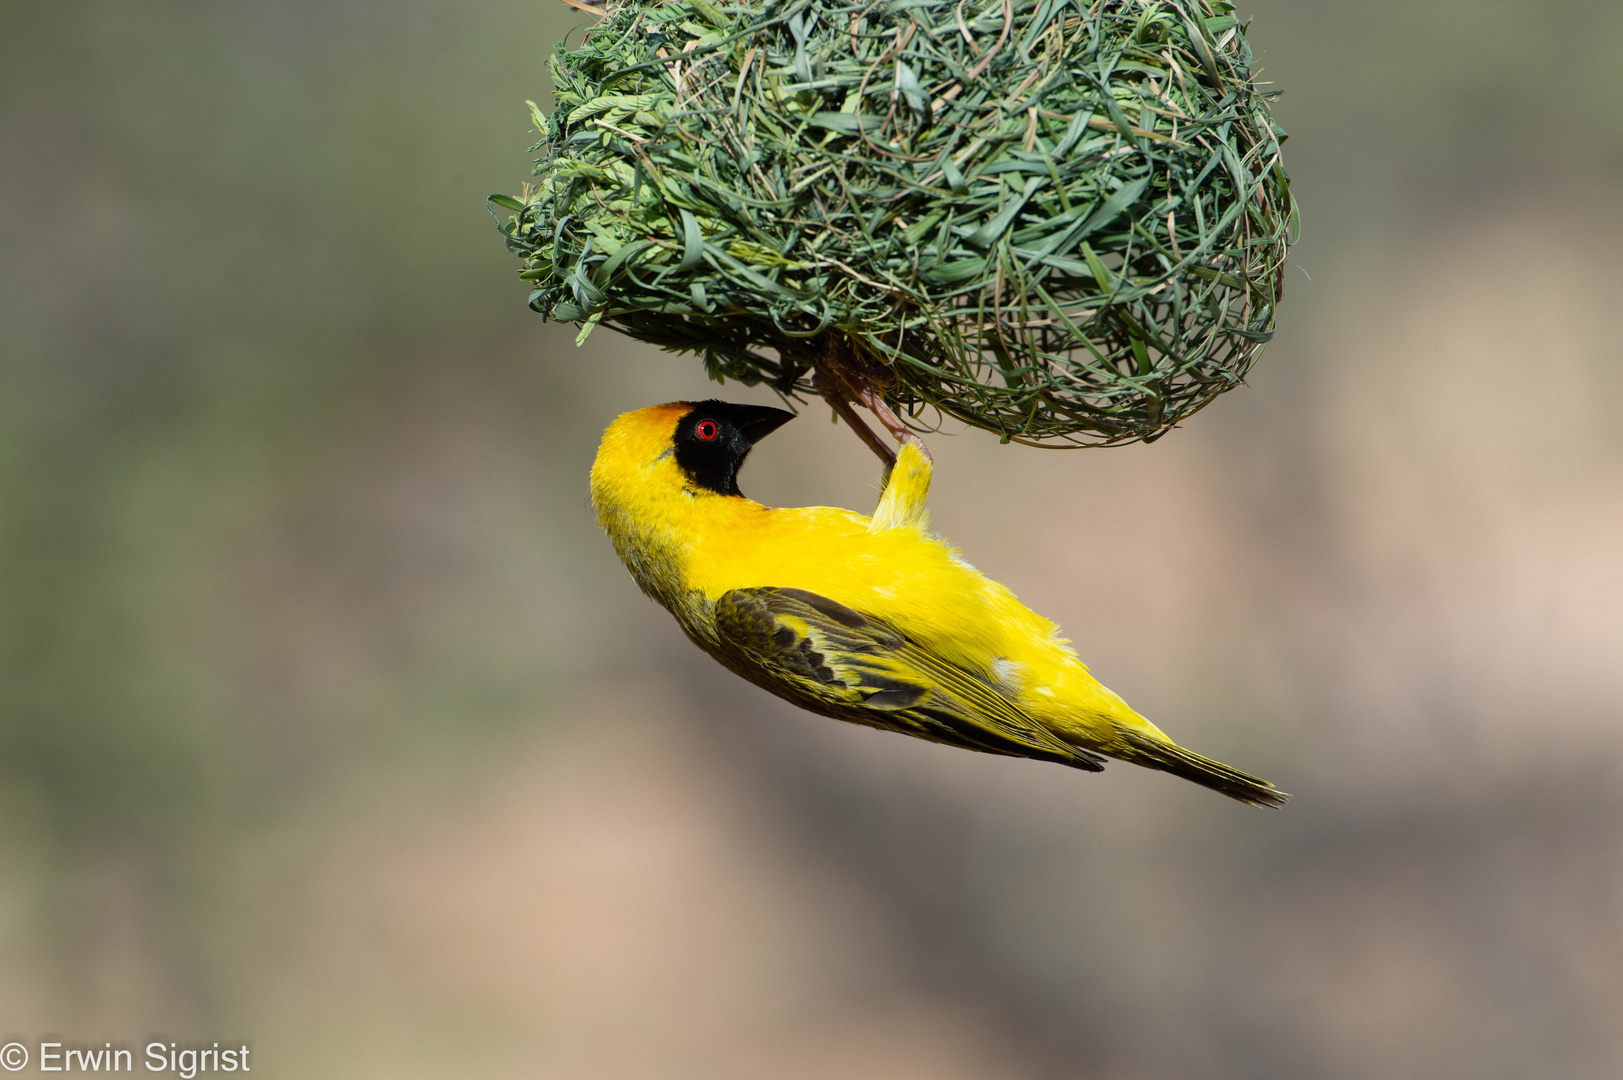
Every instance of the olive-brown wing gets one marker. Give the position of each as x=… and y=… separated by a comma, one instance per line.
x=837, y=661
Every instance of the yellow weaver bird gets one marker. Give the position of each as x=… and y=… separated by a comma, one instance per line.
x=875, y=620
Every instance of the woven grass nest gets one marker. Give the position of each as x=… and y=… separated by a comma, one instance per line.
x=1062, y=221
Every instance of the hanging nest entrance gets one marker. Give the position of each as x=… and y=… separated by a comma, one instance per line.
x=1063, y=222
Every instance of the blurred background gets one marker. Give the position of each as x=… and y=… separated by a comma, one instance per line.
x=329, y=722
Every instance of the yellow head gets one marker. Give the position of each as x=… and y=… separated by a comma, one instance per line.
x=656, y=463
x=685, y=446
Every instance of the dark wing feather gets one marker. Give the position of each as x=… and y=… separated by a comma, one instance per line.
x=833, y=660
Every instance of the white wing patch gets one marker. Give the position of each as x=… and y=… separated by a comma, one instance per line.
x=1011, y=673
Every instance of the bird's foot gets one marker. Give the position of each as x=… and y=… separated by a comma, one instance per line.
x=834, y=393
x=890, y=421
x=841, y=378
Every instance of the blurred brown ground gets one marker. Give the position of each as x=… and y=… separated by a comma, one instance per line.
x=328, y=720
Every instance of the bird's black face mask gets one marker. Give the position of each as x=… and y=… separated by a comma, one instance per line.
x=713, y=439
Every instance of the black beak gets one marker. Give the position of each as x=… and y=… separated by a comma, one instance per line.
x=756, y=422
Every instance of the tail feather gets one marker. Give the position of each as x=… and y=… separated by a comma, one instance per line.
x=1169, y=757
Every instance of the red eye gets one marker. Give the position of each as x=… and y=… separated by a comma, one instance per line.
x=707, y=430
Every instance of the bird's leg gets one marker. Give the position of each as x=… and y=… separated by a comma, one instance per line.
x=891, y=422
x=841, y=378
x=833, y=392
